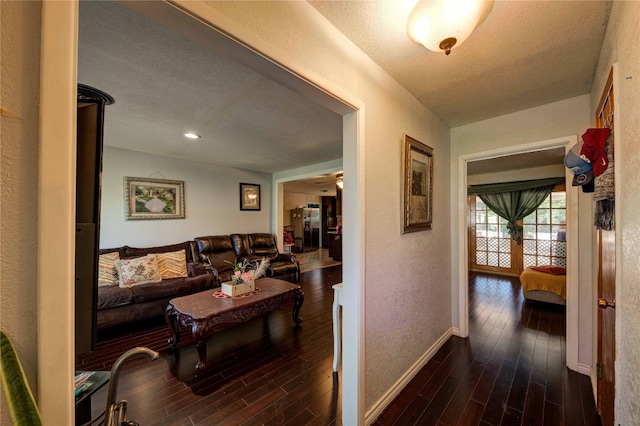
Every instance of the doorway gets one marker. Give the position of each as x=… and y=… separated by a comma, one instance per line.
x=572, y=244
x=56, y=254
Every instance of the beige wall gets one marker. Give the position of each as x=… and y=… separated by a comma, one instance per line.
x=20, y=58
x=620, y=47
x=211, y=200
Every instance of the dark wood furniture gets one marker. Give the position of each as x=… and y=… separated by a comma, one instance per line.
x=202, y=311
x=89, y=136
x=335, y=246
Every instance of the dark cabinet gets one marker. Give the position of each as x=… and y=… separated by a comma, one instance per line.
x=88, y=173
x=335, y=246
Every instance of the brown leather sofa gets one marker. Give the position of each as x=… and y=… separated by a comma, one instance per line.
x=118, y=306
x=218, y=250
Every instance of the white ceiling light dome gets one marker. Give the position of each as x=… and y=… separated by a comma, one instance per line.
x=442, y=25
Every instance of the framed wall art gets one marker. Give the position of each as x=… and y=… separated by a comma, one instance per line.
x=417, y=169
x=249, y=196
x=148, y=198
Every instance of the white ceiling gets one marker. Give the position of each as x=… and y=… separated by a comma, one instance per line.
x=541, y=158
x=526, y=53
x=165, y=84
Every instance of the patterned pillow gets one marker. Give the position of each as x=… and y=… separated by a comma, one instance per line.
x=107, y=272
x=172, y=264
x=141, y=270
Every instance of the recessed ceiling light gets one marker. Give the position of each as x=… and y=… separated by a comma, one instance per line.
x=192, y=135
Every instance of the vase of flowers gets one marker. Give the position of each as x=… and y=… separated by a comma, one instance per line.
x=245, y=274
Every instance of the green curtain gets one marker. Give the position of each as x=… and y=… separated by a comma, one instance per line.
x=492, y=188
x=515, y=205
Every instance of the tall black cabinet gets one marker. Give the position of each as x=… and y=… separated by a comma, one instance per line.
x=90, y=121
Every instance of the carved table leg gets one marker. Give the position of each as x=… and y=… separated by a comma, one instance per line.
x=199, y=332
x=171, y=316
x=299, y=298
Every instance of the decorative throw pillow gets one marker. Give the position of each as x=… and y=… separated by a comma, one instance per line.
x=107, y=272
x=141, y=270
x=172, y=264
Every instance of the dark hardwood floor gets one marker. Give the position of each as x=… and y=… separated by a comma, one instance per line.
x=266, y=372
x=510, y=371
x=261, y=372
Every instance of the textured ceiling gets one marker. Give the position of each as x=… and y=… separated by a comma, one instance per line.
x=546, y=157
x=526, y=53
x=165, y=85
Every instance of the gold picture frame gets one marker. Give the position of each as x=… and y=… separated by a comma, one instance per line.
x=417, y=169
x=148, y=198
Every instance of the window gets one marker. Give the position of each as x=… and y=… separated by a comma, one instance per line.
x=493, y=247
x=544, y=234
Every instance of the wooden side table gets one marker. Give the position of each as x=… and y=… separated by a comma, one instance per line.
x=337, y=326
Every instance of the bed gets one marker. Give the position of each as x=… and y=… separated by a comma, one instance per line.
x=545, y=284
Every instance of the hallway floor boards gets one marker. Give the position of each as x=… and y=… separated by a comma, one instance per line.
x=510, y=371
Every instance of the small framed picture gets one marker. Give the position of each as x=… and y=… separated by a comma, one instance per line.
x=249, y=196
x=147, y=198
x=418, y=185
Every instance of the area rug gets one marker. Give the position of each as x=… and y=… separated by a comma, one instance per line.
x=315, y=260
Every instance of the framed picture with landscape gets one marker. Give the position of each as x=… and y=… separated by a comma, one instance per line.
x=148, y=198
x=249, y=196
x=417, y=169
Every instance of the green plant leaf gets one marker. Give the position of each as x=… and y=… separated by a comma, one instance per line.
x=22, y=406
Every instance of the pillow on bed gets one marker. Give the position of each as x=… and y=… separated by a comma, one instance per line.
x=140, y=270
x=550, y=269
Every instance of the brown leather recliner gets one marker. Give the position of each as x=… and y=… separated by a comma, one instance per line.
x=218, y=255
x=252, y=247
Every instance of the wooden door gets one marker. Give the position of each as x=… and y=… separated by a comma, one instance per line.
x=606, y=325
x=491, y=248
x=606, y=288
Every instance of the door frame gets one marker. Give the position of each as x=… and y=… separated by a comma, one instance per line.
x=572, y=241
x=56, y=190
x=607, y=247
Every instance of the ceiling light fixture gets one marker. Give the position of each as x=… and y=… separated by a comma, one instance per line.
x=192, y=135
x=444, y=24
x=339, y=182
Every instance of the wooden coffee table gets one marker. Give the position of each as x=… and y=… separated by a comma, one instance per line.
x=202, y=311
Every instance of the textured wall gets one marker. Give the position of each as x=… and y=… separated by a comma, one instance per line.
x=212, y=200
x=19, y=94
x=621, y=46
